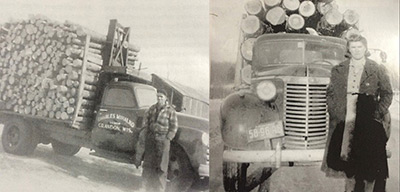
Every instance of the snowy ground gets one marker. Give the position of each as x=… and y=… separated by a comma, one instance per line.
x=46, y=171
x=304, y=178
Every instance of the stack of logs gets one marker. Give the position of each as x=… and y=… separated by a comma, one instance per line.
x=316, y=17
x=42, y=72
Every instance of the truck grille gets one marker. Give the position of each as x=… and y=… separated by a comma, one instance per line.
x=305, y=116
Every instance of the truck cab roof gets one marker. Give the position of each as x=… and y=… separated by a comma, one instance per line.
x=297, y=36
x=130, y=84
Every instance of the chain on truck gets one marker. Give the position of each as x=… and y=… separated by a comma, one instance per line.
x=277, y=114
x=75, y=88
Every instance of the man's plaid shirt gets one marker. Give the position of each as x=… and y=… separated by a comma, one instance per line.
x=163, y=121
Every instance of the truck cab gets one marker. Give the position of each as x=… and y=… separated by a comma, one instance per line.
x=118, y=122
x=278, y=113
x=120, y=114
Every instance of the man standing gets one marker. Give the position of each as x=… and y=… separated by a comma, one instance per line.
x=160, y=124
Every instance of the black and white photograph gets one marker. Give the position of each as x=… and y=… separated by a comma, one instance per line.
x=104, y=96
x=304, y=95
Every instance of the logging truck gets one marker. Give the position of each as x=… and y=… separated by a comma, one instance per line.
x=277, y=114
x=74, y=88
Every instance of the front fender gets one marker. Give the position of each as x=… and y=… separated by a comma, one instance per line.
x=189, y=137
x=241, y=112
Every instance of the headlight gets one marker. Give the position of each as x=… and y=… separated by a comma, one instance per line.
x=266, y=90
x=205, y=139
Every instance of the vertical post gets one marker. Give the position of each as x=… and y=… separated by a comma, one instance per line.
x=81, y=80
x=109, y=47
x=278, y=156
x=125, y=49
x=239, y=60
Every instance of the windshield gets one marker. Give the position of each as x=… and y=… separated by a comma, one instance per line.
x=146, y=97
x=298, y=52
x=119, y=97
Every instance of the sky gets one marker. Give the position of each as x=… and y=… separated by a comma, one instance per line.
x=379, y=23
x=173, y=35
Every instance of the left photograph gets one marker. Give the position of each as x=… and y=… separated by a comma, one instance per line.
x=106, y=96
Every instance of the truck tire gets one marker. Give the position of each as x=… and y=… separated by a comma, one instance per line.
x=180, y=172
x=231, y=175
x=64, y=149
x=18, y=138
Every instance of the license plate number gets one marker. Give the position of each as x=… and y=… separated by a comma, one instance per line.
x=266, y=131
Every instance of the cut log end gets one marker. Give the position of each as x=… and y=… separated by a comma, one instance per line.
x=291, y=5
x=252, y=26
x=272, y=3
x=333, y=17
x=276, y=16
x=247, y=49
x=351, y=32
x=253, y=7
x=351, y=17
x=296, y=22
x=307, y=8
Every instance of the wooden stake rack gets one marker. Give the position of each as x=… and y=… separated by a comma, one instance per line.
x=51, y=70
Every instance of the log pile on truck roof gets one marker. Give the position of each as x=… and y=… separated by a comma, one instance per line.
x=315, y=17
x=50, y=69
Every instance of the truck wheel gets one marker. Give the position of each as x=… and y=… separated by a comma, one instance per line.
x=231, y=175
x=230, y=171
x=18, y=138
x=64, y=149
x=180, y=172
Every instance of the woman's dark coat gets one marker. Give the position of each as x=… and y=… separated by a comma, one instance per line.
x=374, y=81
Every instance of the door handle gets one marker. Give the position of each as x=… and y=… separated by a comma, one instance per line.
x=103, y=110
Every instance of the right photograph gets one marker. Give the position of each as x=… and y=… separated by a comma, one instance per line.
x=304, y=95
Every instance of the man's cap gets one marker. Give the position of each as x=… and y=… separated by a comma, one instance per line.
x=161, y=91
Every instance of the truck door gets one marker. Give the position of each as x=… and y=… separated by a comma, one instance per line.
x=119, y=117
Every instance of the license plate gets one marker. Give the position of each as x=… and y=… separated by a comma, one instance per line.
x=266, y=131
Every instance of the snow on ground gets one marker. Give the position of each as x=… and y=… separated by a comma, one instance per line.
x=46, y=171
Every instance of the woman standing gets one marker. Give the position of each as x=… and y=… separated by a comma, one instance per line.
x=358, y=98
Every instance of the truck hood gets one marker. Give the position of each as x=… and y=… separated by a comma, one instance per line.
x=310, y=70
x=192, y=122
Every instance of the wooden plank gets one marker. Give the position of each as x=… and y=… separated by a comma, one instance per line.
x=81, y=81
x=239, y=59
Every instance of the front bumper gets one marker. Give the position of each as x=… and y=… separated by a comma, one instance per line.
x=273, y=156
x=204, y=170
